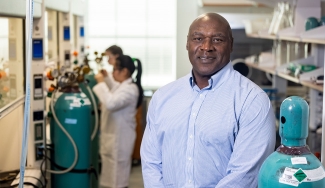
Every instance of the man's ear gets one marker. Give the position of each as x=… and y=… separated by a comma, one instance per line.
x=232, y=44
x=187, y=44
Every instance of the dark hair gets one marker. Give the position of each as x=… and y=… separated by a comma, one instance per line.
x=125, y=61
x=116, y=50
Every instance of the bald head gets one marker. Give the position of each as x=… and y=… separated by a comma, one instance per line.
x=212, y=17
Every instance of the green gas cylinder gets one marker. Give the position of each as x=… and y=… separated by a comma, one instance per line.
x=73, y=109
x=292, y=164
x=90, y=77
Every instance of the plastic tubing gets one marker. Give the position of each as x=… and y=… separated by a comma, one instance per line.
x=96, y=112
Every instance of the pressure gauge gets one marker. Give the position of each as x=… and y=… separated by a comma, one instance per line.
x=55, y=73
x=62, y=70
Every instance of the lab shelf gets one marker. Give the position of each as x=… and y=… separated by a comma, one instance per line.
x=268, y=36
x=314, y=41
x=273, y=71
x=315, y=36
x=287, y=38
x=304, y=83
x=307, y=79
x=288, y=77
x=253, y=35
x=264, y=69
x=312, y=85
x=290, y=38
x=261, y=36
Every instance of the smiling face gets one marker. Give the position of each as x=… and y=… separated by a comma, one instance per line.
x=209, y=44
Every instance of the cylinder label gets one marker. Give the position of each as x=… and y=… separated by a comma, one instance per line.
x=288, y=178
x=86, y=102
x=298, y=160
x=70, y=121
x=294, y=177
x=69, y=98
x=75, y=104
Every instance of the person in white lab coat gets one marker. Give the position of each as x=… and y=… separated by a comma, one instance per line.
x=119, y=99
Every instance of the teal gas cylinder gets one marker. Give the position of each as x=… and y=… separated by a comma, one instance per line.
x=73, y=110
x=292, y=164
x=95, y=142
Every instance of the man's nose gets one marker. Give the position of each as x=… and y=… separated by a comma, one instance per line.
x=207, y=44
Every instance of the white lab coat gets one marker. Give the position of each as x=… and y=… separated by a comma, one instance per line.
x=117, y=130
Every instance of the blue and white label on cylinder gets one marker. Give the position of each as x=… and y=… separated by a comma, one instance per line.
x=70, y=121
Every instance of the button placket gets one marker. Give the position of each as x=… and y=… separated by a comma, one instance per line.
x=190, y=141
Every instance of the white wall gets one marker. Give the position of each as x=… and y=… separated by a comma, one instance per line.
x=186, y=13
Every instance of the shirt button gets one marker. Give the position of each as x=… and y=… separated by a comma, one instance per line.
x=194, y=113
x=189, y=181
x=201, y=95
x=189, y=158
x=191, y=136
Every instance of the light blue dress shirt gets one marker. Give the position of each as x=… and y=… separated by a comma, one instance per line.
x=217, y=136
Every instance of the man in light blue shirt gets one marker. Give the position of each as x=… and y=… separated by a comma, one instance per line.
x=211, y=128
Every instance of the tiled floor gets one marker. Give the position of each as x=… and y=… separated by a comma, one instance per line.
x=136, y=178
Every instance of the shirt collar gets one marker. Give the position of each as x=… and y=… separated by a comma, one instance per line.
x=217, y=79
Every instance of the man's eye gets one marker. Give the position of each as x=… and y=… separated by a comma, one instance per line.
x=197, y=39
x=217, y=40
